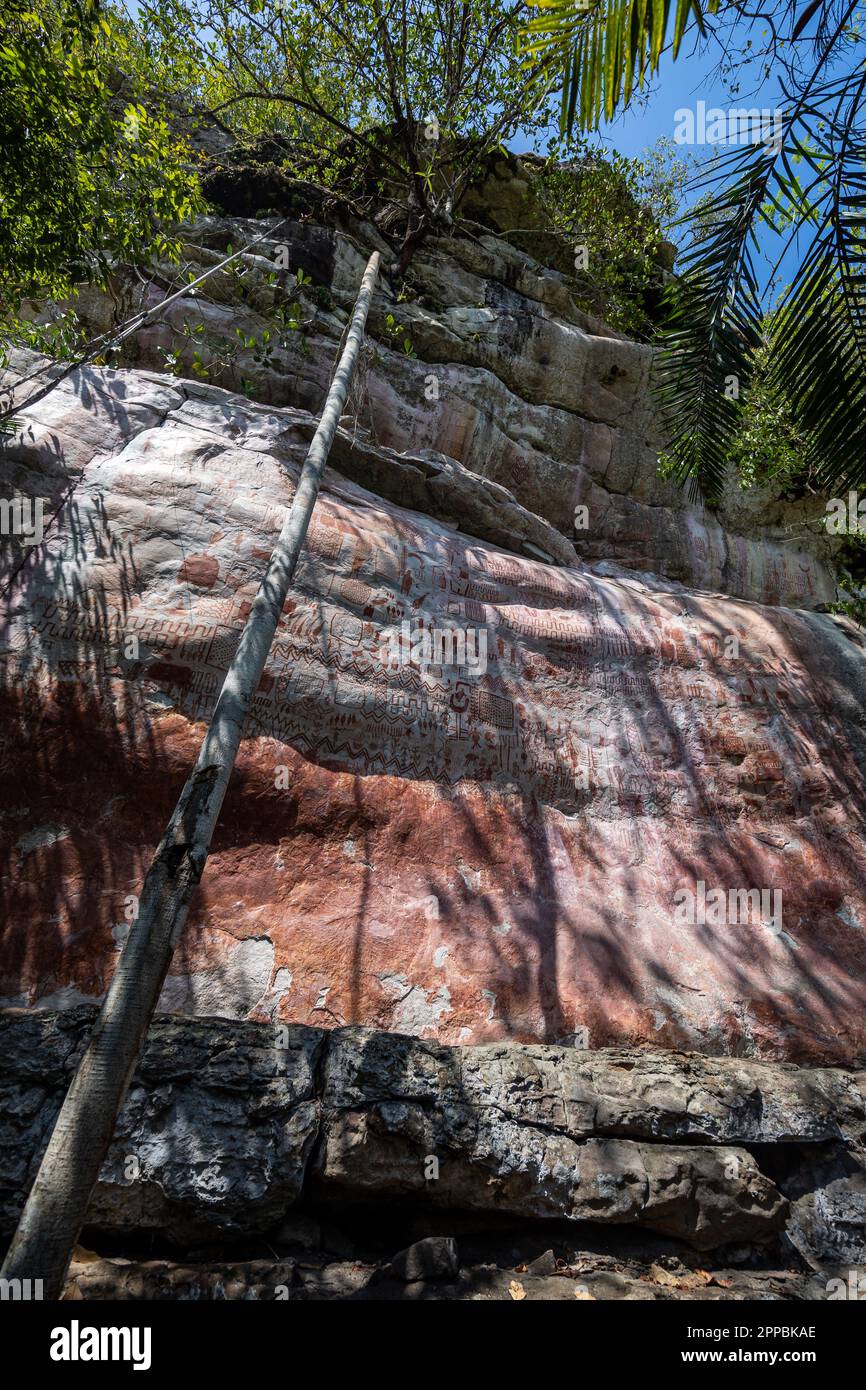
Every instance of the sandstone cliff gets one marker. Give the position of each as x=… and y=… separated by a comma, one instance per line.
x=462, y=853
x=487, y=850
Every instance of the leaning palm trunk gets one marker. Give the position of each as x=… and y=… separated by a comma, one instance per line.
x=58, y=1201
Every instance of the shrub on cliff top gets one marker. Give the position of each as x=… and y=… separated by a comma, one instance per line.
x=614, y=211
x=417, y=92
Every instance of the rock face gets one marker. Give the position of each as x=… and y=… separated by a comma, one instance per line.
x=596, y=801
x=227, y=1126
x=435, y=1257
x=551, y=774
x=503, y=374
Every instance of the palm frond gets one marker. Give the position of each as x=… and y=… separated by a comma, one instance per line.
x=714, y=327
x=604, y=49
x=810, y=185
x=819, y=332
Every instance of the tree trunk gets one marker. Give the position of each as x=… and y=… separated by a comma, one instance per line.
x=57, y=1204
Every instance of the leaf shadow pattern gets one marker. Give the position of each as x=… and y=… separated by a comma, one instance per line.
x=465, y=854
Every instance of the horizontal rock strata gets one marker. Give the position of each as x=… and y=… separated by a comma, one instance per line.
x=504, y=375
x=228, y=1126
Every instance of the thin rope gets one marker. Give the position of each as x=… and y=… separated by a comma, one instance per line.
x=132, y=325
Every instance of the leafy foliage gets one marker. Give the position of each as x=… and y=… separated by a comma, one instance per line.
x=820, y=329
x=414, y=92
x=88, y=172
x=808, y=184
x=618, y=208
x=768, y=446
x=851, y=577
x=817, y=330
x=713, y=330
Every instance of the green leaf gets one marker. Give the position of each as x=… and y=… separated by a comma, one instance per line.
x=603, y=51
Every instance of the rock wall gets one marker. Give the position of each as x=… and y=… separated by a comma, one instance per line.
x=554, y=777
x=504, y=375
x=227, y=1128
x=474, y=847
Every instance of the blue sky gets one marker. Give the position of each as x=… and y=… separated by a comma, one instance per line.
x=680, y=84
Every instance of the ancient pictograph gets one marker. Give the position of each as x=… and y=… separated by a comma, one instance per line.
x=564, y=708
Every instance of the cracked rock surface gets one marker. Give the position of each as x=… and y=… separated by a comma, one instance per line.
x=228, y=1127
x=506, y=377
